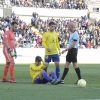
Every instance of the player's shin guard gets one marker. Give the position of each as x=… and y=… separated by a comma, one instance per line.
x=58, y=72
x=5, y=71
x=46, y=76
x=11, y=71
x=53, y=75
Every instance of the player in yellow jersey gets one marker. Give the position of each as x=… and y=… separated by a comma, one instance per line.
x=51, y=44
x=39, y=76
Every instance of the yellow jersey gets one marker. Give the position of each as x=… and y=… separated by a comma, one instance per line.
x=50, y=40
x=35, y=70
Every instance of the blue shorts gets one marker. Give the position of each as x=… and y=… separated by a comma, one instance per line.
x=49, y=58
x=38, y=81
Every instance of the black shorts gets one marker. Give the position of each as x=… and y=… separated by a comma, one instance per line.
x=72, y=55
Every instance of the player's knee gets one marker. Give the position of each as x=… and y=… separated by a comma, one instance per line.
x=57, y=64
x=12, y=63
x=7, y=64
x=50, y=72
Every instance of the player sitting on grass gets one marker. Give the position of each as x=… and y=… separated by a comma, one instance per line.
x=39, y=76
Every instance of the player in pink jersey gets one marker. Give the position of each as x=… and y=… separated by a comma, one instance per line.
x=9, y=52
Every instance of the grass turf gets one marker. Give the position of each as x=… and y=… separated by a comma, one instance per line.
x=24, y=90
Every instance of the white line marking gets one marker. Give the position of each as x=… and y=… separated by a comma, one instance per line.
x=78, y=87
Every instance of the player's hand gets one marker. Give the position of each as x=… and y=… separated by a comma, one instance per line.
x=48, y=49
x=12, y=53
x=59, y=53
x=46, y=64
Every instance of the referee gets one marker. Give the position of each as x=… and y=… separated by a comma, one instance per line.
x=72, y=53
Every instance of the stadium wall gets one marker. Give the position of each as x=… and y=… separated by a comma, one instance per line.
x=49, y=12
x=1, y=12
x=27, y=55
x=7, y=11
x=25, y=13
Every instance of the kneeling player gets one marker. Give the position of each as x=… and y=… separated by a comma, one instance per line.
x=39, y=76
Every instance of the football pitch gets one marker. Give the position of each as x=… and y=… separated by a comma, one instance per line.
x=25, y=90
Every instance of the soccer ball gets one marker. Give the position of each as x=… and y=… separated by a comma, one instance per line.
x=81, y=83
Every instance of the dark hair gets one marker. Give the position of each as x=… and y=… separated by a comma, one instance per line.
x=52, y=23
x=38, y=58
x=13, y=23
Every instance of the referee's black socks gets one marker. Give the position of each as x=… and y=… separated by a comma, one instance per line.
x=65, y=73
x=78, y=72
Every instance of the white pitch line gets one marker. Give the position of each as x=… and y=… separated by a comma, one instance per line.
x=78, y=87
x=88, y=99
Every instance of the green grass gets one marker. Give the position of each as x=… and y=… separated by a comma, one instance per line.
x=24, y=90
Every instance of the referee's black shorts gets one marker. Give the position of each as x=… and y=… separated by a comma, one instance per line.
x=72, y=55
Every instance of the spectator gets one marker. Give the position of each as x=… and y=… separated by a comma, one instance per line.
x=34, y=34
x=62, y=4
